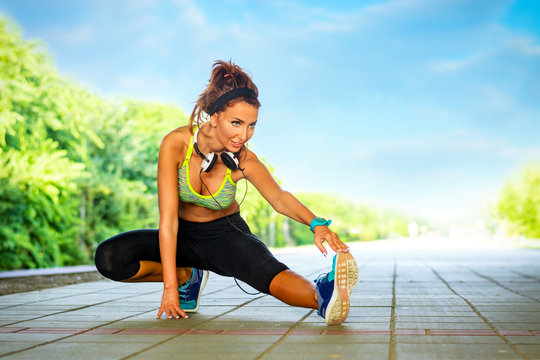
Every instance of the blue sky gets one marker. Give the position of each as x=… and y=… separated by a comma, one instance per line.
x=426, y=106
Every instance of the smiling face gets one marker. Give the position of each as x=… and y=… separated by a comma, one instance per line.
x=235, y=125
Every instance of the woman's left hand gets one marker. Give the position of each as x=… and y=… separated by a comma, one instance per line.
x=322, y=234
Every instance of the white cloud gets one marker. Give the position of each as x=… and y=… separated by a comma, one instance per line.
x=192, y=15
x=452, y=66
x=524, y=46
x=73, y=36
x=146, y=86
x=136, y=5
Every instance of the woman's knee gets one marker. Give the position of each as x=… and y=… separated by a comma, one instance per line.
x=102, y=260
x=108, y=264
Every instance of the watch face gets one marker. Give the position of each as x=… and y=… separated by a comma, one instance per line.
x=320, y=220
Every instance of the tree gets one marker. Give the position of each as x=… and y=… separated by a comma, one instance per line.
x=37, y=176
x=518, y=207
x=75, y=168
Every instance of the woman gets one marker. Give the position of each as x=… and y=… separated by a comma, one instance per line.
x=200, y=228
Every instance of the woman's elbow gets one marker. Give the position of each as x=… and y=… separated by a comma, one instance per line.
x=280, y=204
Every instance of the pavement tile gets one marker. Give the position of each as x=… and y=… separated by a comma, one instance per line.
x=516, y=326
x=172, y=353
x=118, y=338
x=329, y=351
x=370, y=311
x=256, y=331
x=419, y=332
x=10, y=329
x=30, y=337
x=70, y=351
x=455, y=351
x=475, y=325
x=467, y=332
x=224, y=337
x=7, y=347
x=364, y=338
x=516, y=332
x=246, y=325
x=524, y=339
x=448, y=319
x=181, y=348
x=39, y=308
x=356, y=332
x=449, y=339
x=532, y=351
x=347, y=325
x=39, y=323
x=153, y=324
x=522, y=317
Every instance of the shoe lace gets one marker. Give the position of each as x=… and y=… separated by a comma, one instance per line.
x=183, y=291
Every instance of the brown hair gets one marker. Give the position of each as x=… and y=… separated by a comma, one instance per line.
x=225, y=76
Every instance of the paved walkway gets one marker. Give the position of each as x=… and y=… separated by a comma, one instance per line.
x=431, y=304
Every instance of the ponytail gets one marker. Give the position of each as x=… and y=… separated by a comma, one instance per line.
x=225, y=76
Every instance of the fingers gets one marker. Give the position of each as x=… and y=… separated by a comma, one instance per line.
x=338, y=244
x=171, y=311
x=320, y=246
x=333, y=241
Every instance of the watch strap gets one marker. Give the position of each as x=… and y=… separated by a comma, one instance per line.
x=319, y=221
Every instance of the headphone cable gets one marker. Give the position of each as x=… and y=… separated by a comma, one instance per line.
x=227, y=216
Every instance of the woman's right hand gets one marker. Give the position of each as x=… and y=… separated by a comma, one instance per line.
x=170, y=305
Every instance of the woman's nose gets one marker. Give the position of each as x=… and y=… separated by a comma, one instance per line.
x=244, y=133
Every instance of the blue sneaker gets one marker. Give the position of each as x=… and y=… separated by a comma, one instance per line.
x=191, y=290
x=335, y=287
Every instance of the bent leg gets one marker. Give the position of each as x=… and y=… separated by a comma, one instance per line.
x=134, y=256
x=294, y=289
x=151, y=271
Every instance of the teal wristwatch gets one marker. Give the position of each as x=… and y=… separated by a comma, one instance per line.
x=319, y=221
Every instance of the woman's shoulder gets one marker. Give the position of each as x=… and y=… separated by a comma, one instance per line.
x=177, y=140
x=248, y=156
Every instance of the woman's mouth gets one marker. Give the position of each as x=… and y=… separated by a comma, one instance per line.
x=236, y=144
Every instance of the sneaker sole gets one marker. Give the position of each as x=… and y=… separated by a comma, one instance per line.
x=346, y=276
x=203, y=284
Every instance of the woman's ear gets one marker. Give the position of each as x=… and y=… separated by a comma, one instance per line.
x=214, y=119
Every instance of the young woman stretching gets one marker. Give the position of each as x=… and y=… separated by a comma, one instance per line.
x=200, y=228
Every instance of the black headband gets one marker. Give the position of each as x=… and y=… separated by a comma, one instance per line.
x=228, y=96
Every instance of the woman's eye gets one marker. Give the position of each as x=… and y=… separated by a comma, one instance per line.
x=236, y=123
x=252, y=126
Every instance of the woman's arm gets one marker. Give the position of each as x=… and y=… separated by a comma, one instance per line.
x=286, y=203
x=167, y=179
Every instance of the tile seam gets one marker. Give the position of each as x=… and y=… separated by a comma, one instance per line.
x=506, y=341
x=392, y=344
x=190, y=330
x=67, y=337
x=499, y=284
x=282, y=338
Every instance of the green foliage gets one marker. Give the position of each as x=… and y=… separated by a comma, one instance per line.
x=350, y=221
x=75, y=168
x=518, y=207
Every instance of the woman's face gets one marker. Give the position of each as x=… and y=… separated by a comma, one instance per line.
x=235, y=125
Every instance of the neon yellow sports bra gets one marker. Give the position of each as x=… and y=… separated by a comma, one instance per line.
x=221, y=199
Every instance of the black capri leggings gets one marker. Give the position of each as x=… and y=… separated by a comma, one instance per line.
x=216, y=246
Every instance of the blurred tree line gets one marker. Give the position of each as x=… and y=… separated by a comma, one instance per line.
x=518, y=206
x=77, y=168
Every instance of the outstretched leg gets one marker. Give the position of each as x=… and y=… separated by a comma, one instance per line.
x=330, y=294
x=294, y=289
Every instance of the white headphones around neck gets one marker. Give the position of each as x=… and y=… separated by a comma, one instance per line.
x=209, y=160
